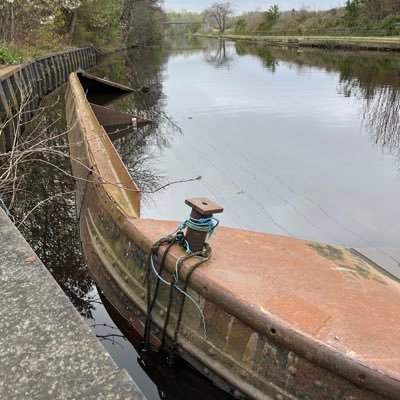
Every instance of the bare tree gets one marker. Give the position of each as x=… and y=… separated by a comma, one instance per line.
x=220, y=12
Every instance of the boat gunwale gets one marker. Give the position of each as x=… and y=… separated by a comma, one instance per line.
x=261, y=322
x=86, y=120
x=298, y=341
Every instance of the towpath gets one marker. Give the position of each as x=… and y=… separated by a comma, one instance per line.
x=331, y=42
x=46, y=349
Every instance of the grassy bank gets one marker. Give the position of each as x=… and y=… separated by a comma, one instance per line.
x=341, y=42
x=16, y=54
x=13, y=55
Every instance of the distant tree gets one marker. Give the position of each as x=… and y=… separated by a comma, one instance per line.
x=272, y=14
x=70, y=10
x=270, y=17
x=141, y=21
x=241, y=25
x=351, y=11
x=220, y=12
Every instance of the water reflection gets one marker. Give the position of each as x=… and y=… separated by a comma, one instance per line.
x=179, y=382
x=269, y=61
x=185, y=45
x=44, y=204
x=142, y=70
x=220, y=54
x=281, y=140
x=372, y=78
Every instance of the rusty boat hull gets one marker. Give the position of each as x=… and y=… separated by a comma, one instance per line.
x=285, y=318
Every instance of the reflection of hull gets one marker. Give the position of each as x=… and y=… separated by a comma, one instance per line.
x=178, y=383
x=286, y=319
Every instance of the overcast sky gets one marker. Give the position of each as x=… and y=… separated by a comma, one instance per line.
x=246, y=5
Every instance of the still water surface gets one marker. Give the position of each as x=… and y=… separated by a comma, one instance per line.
x=295, y=143
x=301, y=143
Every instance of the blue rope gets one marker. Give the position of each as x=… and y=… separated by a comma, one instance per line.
x=200, y=225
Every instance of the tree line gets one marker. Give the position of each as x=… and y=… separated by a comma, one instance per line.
x=379, y=15
x=49, y=24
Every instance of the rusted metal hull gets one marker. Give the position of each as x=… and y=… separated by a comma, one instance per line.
x=286, y=319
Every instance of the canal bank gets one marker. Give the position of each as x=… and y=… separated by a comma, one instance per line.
x=324, y=42
x=47, y=350
x=23, y=86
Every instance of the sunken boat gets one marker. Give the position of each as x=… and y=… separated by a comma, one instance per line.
x=265, y=316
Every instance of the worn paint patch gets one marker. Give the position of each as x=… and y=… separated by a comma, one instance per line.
x=377, y=272
x=328, y=251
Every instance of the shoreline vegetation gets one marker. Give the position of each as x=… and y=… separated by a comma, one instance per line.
x=30, y=29
x=352, y=25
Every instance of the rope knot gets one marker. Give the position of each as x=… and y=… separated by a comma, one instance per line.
x=207, y=224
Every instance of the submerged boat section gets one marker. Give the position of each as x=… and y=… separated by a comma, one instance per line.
x=268, y=317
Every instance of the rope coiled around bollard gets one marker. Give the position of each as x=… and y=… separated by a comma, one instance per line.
x=207, y=225
x=176, y=237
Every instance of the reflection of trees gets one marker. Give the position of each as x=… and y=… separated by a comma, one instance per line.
x=52, y=229
x=382, y=118
x=373, y=78
x=185, y=45
x=268, y=60
x=142, y=70
x=220, y=54
x=178, y=383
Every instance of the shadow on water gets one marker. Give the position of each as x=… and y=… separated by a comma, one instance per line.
x=44, y=187
x=177, y=382
x=44, y=204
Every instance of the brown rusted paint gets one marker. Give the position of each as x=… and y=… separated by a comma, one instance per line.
x=196, y=239
x=113, y=120
x=101, y=91
x=286, y=318
x=95, y=152
x=201, y=208
x=204, y=206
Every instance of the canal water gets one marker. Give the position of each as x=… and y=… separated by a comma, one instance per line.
x=302, y=143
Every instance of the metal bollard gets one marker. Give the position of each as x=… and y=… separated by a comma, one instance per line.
x=201, y=208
